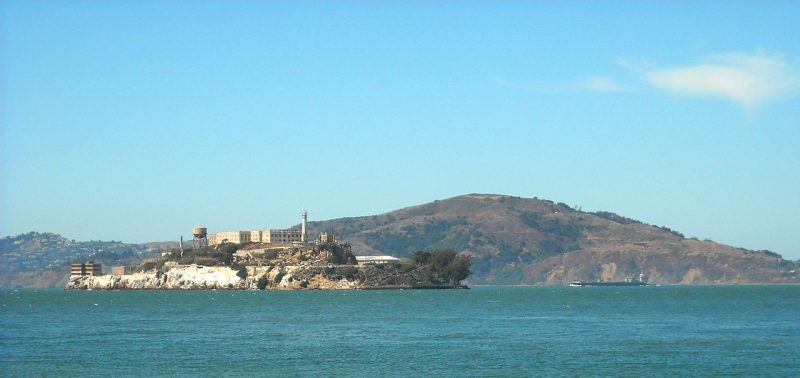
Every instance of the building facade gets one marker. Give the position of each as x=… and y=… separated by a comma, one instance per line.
x=121, y=270
x=275, y=236
x=376, y=260
x=89, y=268
x=289, y=235
x=236, y=237
x=328, y=237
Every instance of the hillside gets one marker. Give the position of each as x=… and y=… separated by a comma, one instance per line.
x=41, y=259
x=530, y=241
x=512, y=240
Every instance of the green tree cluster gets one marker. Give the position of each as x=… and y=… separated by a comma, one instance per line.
x=445, y=263
x=262, y=282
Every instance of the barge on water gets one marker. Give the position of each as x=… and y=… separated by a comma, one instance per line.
x=642, y=281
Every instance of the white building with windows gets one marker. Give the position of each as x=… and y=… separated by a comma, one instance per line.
x=274, y=236
x=375, y=260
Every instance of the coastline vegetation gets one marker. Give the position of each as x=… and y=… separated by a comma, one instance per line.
x=445, y=264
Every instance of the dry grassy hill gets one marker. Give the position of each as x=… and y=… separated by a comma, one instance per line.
x=530, y=241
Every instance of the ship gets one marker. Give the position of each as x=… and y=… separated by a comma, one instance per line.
x=641, y=281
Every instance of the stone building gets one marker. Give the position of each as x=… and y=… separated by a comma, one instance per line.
x=89, y=268
x=275, y=236
x=121, y=270
x=328, y=237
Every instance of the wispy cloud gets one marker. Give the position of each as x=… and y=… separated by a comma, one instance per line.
x=604, y=84
x=749, y=80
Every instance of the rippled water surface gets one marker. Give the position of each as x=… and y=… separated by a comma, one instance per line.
x=485, y=331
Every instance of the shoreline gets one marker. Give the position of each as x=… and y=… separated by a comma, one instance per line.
x=393, y=287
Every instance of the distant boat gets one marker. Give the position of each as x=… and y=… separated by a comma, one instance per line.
x=642, y=281
x=609, y=283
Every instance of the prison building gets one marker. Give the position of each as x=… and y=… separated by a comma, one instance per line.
x=236, y=237
x=89, y=268
x=279, y=236
x=276, y=236
x=328, y=237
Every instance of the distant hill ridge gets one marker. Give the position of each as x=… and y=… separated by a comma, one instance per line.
x=26, y=257
x=531, y=241
x=512, y=241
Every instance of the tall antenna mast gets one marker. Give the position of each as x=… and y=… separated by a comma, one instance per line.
x=303, y=220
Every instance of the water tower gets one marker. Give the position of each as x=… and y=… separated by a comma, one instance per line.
x=200, y=234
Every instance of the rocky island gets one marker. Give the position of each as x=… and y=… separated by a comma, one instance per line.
x=259, y=266
x=509, y=240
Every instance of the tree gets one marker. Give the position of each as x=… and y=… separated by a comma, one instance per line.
x=421, y=257
x=228, y=248
x=242, y=273
x=441, y=257
x=458, y=269
x=225, y=252
x=262, y=282
x=450, y=266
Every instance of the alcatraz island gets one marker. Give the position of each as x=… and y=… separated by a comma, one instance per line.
x=275, y=259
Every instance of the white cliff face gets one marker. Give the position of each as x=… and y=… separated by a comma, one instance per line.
x=185, y=277
x=210, y=277
x=282, y=277
x=194, y=277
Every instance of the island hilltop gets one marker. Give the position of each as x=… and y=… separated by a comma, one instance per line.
x=279, y=259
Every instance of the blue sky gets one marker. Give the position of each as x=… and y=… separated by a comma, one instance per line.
x=136, y=120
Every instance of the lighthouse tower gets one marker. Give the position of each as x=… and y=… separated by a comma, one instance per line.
x=303, y=220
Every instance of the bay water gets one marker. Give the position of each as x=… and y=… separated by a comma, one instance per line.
x=484, y=331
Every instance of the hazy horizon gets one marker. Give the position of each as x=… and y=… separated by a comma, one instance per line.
x=135, y=121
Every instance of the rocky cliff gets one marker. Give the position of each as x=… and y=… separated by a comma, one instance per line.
x=287, y=277
x=188, y=277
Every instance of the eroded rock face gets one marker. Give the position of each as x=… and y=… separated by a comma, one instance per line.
x=220, y=278
x=282, y=277
x=188, y=277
